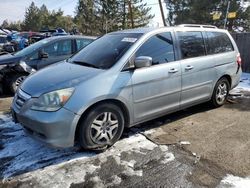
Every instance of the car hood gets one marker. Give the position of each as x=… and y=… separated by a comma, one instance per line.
x=58, y=76
x=9, y=59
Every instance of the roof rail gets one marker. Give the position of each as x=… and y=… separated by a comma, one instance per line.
x=197, y=25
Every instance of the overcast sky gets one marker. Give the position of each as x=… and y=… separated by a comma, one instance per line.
x=14, y=10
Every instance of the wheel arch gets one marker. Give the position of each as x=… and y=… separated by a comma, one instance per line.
x=228, y=77
x=116, y=102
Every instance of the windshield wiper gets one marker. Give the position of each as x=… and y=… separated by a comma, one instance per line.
x=86, y=64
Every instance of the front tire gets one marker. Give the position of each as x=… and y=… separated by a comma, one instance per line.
x=102, y=126
x=15, y=82
x=220, y=92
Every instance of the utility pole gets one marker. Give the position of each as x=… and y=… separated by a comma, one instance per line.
x=228, y=6
x=162, y=13
x=131, y=13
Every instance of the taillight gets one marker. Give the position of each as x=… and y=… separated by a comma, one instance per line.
x=239, y=59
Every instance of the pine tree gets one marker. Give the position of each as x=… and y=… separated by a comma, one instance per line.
x=141, y=13
x=86, y=16
x=201, y=12
x=101, y=16
x=32, y=20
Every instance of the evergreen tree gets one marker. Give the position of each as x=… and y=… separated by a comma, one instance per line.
x=201, y=12
x=141, y=13
x=86, y=17
x=5, y=24
x=32, y=18
x=101, y=16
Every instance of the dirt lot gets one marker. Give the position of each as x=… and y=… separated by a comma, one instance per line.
x=5, y=103
x=197, y=147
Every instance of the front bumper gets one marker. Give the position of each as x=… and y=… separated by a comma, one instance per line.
x=54, y=128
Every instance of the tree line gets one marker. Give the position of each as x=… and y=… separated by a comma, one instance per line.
x=93, y=17
x=201, y=12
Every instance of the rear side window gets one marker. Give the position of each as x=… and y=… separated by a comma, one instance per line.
x=191, y=43
x=159, y=47
x=218, y=43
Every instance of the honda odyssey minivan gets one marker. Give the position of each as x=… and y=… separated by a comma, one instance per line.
x=125, y=78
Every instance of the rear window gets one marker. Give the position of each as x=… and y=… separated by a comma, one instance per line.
x=191, y=43
x=218, y=42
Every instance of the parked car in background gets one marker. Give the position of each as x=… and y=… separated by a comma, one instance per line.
x=3, y=40
x=125, y=78
x=14, y=68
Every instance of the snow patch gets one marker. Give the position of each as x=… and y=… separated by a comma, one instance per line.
x=185, y=143
x=168, y=158
x=231, y=181
x=244, y=85
x=98, y=182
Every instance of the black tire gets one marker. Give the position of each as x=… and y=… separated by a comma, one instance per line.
x=215, y=101
x=1, y=89
x=86, y=131
x=15, y=82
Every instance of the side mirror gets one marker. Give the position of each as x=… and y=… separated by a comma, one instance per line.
x=143, y=61
x=43, y=55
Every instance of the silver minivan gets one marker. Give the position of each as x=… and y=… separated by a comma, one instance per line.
x=125, y=78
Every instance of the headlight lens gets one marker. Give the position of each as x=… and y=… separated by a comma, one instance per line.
x=26, y=67
x=52, y=101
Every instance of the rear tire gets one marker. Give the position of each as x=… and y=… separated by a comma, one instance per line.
x=102, y=126
x=15, y=82
x=220, y=92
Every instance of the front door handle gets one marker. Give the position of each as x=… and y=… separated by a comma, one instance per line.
x=189, y=67
x=173, y=70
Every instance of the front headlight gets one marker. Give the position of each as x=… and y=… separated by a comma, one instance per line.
x=52, y=101
x=26, y=67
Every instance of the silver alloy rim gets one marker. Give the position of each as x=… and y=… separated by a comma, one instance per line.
x=19, y=80
x=221, y=93
x=104, y=128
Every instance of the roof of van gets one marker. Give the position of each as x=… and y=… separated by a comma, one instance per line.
x=144, y=30
x=70, y=37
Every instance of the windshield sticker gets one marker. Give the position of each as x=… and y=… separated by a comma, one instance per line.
x=126, y=39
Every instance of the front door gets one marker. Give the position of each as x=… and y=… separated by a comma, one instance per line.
x=156, y=89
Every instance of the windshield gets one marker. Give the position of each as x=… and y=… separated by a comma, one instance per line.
x=28, y=50
x=106, y=51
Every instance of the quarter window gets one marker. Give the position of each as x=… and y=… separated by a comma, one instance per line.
x=159, y=47
x=192, y=44
x=81, y=43
x=218, y=43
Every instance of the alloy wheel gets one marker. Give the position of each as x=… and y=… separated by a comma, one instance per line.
x=104, y=128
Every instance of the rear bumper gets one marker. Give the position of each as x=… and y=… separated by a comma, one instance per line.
x=236, y=79
x=56, y=129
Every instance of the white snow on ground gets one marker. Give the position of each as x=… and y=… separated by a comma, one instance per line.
x=29, y=154
x=244, y=84
x=231, y=181
x=37, y=160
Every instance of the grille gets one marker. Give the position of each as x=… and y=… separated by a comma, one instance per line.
x=21, y=98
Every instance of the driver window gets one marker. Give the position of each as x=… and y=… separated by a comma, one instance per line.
x=59, y=48
x=160, y=47
x=34, y=56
